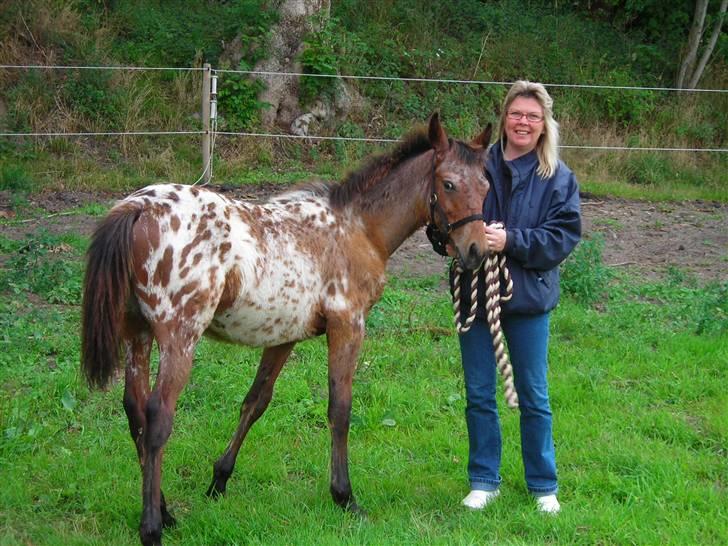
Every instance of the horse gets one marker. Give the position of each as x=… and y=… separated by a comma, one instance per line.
x=171, y=262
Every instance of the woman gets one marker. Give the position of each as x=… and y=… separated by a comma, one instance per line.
x=536, y=197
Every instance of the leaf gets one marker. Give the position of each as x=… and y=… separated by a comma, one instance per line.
x=389, y=422
x=68, y=400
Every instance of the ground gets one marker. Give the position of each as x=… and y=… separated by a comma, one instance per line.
x=646, y=238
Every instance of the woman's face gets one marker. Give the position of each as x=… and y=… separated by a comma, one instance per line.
x=521, y=133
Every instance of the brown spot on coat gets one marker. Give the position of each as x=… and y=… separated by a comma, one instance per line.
x=224, y=249
x=164, y=268
x=231, y=290
x=188, y=288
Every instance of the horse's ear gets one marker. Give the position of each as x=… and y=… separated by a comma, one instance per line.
x=437, y=136
x=483, y=139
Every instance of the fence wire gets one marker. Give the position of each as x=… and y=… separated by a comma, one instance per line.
x=351, y=77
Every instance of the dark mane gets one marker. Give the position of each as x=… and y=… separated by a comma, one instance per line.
x=358, y=182
x=466, y=153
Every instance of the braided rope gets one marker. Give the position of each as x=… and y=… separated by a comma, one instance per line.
x=494, y=267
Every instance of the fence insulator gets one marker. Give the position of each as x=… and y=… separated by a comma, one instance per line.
x=213, y=97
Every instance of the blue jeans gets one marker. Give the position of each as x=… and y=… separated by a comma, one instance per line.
x=527, y=337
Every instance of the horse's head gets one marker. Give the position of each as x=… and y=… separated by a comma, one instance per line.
x=459, y=189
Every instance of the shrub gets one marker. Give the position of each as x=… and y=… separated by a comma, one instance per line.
x=712, y=309
x=318, y=57
x=647, y=168
x=15, y=178
x=238, y=102
x=584, y=275
x=42, y=265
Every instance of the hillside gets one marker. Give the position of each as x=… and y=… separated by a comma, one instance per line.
x=587, y=43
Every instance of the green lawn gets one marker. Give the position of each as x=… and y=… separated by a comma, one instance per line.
x=639, y=388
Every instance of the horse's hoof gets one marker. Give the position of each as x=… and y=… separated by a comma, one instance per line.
x=150, y=537
x=168, y=520
x=356, y=510
x=215, y=491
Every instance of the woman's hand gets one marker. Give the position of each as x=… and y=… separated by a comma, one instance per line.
x=496, y=238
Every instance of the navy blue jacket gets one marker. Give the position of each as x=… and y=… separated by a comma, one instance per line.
x=543, y=225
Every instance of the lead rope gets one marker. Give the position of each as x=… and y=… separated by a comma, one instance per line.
x=495, y=265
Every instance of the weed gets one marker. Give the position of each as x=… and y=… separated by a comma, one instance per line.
x=319, y=57
x=46, y=266
x=584, y=275
x=238, y=101
x=16, y=179
x=712, y=310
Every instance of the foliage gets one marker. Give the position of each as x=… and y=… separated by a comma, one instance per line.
x=584, y=275
x=92, y=94
x=44, y=265
x=180, y=33
x=712, y=314
x=609, y=41
x=238, y=101
x=318, y=57
x=16, y=178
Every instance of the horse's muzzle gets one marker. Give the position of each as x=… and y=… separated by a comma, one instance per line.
x=474, y=257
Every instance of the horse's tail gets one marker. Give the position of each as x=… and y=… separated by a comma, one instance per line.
x=106, y=288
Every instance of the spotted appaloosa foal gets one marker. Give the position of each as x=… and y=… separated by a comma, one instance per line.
x=171, y=263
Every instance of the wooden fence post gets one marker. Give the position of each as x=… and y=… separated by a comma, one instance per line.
x=206, y=122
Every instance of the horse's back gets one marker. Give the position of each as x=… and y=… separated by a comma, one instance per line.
x=257, y=274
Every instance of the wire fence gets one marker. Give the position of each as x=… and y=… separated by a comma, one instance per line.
x=371, y=78
x=345, y=77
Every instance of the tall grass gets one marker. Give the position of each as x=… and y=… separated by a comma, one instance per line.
x=462, y=40
x=639, y=388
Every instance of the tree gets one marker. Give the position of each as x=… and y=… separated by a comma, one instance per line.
x=297, y=17
x=690, y=73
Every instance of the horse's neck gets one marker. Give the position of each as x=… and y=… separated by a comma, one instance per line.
x=399, y=204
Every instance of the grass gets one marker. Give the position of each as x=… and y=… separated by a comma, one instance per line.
x=639, y=386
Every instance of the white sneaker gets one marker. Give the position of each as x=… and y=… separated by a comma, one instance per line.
x=548, y=504
x=477, y=499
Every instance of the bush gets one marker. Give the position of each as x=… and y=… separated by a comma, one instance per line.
x=44, y=266
x=318, y=57
x=238, y=102
x=712, y=310
x=584, y=276
x=15, y=178
x=647, y=169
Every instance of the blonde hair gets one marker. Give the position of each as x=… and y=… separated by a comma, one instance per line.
x=547, y=147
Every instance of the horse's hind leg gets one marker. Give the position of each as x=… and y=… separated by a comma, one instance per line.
x=138, y=346
x=255, y=403
x=175, y=363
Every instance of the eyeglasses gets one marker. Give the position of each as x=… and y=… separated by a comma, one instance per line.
x=533, y=117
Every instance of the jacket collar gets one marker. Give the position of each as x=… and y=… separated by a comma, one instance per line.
x=522, y=164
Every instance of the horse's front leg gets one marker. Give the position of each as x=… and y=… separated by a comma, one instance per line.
x=345, y=335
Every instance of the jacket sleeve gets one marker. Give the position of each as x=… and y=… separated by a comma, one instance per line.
x=545, y=246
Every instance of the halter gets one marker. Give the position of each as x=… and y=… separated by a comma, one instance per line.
x=449, y=228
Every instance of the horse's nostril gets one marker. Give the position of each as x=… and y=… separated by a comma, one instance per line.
x=473, y=251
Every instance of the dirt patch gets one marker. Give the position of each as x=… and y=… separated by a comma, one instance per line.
x=646, y=238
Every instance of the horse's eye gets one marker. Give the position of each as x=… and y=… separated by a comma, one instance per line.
x=449, y=186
